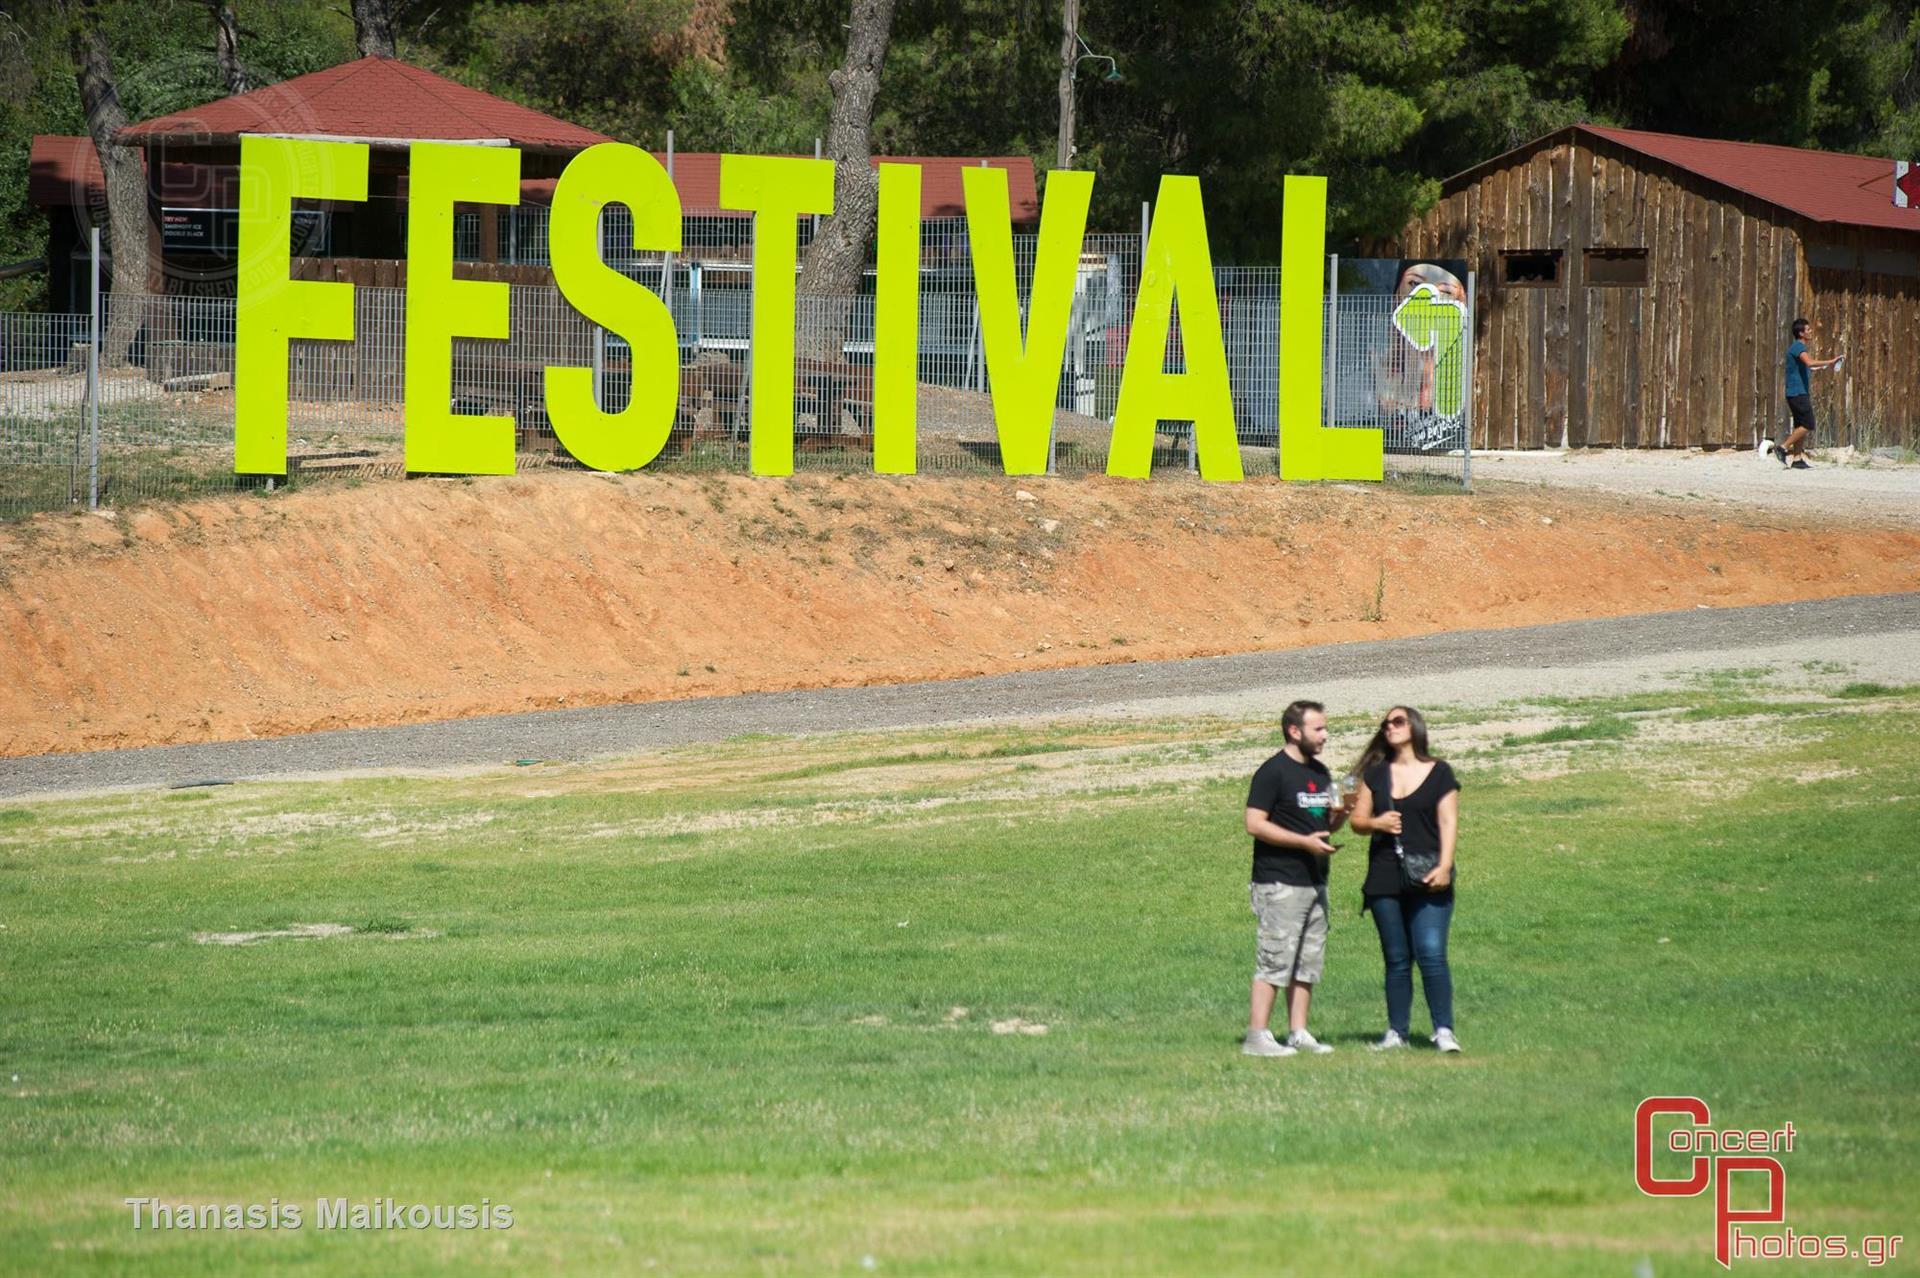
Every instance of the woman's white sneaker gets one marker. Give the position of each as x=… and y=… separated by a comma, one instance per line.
x=1445, y=1041
x=1389, y=1042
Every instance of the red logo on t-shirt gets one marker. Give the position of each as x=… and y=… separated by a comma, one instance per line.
x=1313, y=787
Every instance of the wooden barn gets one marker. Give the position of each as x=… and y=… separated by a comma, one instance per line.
x=1635, y=290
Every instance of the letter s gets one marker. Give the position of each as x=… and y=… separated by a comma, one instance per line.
x=614, y=172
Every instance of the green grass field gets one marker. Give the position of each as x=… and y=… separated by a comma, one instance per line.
x=770, y=1007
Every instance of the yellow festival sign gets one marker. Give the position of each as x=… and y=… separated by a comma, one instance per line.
x=1023, y=362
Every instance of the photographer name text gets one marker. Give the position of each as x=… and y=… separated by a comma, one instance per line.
x=340, y=1213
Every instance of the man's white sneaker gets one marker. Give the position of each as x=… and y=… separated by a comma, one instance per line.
x=1263, y=1043
x=1389, y=1041
x=1445, y=1041
x=1301, y=1041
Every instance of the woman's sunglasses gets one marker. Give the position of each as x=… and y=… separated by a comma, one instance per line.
x=1398, y=721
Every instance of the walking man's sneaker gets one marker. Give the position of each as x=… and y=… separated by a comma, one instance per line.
x=1301, y=1041
x=1389, y=1042
x=1800, y=465
x=1263, y=1043
x=1444, y=1040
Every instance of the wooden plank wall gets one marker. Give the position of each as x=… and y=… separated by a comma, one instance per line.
x=1695, y=357
x=1874, y=317
x=1521, y=379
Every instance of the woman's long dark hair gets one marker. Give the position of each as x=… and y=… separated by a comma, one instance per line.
x=1379, y=752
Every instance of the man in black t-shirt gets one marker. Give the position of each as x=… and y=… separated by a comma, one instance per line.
x=1292, y=811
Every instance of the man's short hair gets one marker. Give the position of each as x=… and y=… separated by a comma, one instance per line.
x=1295, y=716
x=1800, y=327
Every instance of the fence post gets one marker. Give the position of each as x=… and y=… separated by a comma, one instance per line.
x=977, y=342
x=93, y=371
x=1332, y=376
x=1466, y=416
x=816, y=216
x=600, y=367
x=666, y=267
x=1116, y=306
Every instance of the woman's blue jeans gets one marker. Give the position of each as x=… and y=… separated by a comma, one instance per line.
x=1413, y=929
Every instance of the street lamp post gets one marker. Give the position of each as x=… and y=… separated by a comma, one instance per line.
x=1074, y=51
x=1069, y=62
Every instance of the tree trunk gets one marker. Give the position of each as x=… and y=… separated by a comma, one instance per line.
x=226, y=47
x=125, y=179
x=1069, y=59
x=373, y=28
x=837, y=257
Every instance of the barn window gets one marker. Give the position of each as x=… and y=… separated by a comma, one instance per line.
x=1833, y=257
x=1617, y=267
x=1892, y=262
x=1530, y=268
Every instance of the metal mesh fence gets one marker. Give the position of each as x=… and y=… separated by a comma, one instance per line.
x=160, y=425
x=165, y=407
x=1376, y=378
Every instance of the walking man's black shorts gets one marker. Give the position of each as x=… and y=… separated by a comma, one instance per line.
x=1801, y=406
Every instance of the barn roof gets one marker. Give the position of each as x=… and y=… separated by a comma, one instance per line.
x=373, y=99
x=1822, y=186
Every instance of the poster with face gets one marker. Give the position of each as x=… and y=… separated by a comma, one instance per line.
x=1382, y=377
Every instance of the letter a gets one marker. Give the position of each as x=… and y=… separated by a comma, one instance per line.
x=1178, y=267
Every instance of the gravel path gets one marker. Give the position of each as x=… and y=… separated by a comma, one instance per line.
x=1835, y=487
x=1877, y=637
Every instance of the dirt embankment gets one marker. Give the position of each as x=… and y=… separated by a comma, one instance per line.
x=400, y=602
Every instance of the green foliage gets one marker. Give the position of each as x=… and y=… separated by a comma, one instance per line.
x=1834, y=74
x=1385, y=97
x=1868, y=689
x=163, y=61
x=605, y=64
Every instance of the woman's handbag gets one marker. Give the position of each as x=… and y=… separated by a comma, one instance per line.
x=1415, y=866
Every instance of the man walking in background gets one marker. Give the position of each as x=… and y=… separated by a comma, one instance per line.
x=1292, y=811
x=1800, y=364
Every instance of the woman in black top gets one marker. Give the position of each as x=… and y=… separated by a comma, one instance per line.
x=1409, y=801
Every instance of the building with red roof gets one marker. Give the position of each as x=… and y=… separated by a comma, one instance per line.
x=381, y=101
x=1635, y=289
x=192, y=160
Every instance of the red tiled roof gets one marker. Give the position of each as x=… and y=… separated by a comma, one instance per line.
x=1827, y=186
x=63, y=171
x=940, y=183
x=696, y=175
x=368, y=98
x=1823, y=186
